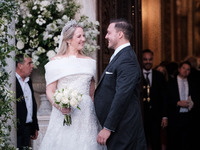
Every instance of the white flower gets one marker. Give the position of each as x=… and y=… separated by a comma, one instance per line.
x=58, y=97
x=79, y=97
x=34, y=8
x=56, y=40
x=60, y=7
x=60, y=22
x=45, y=35
x=45, y=3
x=64, y=100
x=50, y=54
x=20, y=45
x=52, y=27
x=40, y=20
x=40, y=50
x=65, y=18
x=35, y=57
x=73, y=103
x=34, y=43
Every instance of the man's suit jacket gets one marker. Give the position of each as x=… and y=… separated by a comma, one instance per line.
x=117, y=102
x=155, y=109
x=157, y=105
x=22, y=110
x=173, y=98
x=181, y=125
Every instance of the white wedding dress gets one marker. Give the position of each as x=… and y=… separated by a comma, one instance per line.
x=82, y=133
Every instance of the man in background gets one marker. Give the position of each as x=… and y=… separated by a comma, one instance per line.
x=27, y=123
x=154, y=101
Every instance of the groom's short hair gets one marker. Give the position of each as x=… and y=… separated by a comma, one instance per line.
x=124, y=26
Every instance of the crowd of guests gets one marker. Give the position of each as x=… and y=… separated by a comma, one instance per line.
x=170, y=100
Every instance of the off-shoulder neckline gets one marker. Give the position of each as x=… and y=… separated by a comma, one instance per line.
x=72, y=56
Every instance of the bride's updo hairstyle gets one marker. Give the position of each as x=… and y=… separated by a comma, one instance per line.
x=67, y=34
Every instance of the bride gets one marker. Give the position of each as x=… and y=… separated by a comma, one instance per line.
x=71, y=69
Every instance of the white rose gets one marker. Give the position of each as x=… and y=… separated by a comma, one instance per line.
x=79, y=98
x=73, y=102
x=20, y=45
x=64, y=100
x=58, y=97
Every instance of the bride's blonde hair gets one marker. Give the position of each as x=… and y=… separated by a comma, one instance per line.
x=67, y=34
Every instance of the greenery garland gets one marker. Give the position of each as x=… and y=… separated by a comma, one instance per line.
x=7, y=11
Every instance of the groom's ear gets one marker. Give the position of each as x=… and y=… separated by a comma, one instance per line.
x=120, y=34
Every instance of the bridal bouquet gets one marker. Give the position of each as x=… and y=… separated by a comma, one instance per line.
x=69, y=98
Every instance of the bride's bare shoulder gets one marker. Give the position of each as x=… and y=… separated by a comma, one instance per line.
x=56, y=57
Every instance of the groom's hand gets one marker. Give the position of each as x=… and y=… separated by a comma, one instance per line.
x=103, y=135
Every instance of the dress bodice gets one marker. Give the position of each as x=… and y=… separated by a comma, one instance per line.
x=80, y=82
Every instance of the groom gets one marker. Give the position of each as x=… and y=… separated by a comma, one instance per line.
x=117, y=94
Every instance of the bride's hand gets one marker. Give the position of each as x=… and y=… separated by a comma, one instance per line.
x=65, y=110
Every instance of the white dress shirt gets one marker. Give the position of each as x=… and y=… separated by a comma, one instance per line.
x=149, y=76
x=183, y=91
x=28, y=97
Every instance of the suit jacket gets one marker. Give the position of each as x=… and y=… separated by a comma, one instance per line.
x=117, y=102
x=155, y=109
x=173, y=98
x=157, y=106
x=22, y=110
x=182, y=129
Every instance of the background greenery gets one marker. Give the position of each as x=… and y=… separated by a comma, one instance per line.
x=7, y=10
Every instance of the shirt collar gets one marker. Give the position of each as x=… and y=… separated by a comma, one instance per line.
x=20, y=78
x=179, y=78
x=120, y=48
x=145, y=71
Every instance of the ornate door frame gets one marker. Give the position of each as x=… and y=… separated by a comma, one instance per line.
x=130, y=10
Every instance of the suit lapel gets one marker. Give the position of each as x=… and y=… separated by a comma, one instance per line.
x=19, y=88
x=103, y=74
x=110, y=64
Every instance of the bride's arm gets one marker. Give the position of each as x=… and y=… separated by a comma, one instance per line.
x=50, y=90
x=92, y=88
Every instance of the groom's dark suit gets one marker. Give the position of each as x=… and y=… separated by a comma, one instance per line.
x=22, y=110
x=117, y=102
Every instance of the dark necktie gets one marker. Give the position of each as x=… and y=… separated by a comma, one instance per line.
x=147, y=78
x=147, y=88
